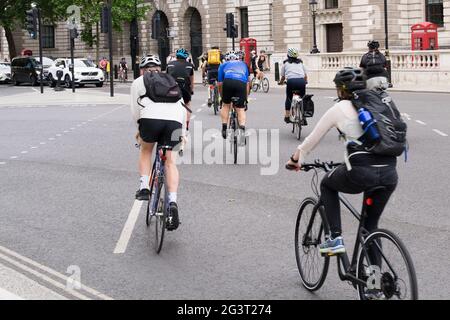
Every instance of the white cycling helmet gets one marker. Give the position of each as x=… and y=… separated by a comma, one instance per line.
x=150, y=61
x=292, y=53
x=231, y=56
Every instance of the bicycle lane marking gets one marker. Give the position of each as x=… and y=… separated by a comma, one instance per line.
x=49, y=275
x=125, y=236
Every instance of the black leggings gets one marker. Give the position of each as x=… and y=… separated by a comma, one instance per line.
x=297, y=84
x=358, y=180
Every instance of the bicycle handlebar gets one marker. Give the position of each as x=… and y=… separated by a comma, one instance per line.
x=325, y=166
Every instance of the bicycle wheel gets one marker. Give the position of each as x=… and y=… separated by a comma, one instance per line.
x=161, y=216
x=216, y=101
x=255, y=85
x=235, y=140
x=310, y=231
x=265, y=85
x=385, y=264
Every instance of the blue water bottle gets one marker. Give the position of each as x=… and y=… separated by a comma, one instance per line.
x=368, y=124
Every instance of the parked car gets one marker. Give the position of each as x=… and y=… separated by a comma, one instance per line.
x=25, y=70
x=47, y=62
x=85, y=73
x=5, y=72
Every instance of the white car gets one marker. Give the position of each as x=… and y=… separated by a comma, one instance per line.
x=5, y=72
x=85, y=73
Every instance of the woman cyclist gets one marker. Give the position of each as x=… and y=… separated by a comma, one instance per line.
x=294, y=72
x=363, y=170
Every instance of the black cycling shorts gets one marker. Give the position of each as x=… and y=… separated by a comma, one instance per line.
x=213, y=75
x=186, y=92
x=234, y=88
x=163, y=132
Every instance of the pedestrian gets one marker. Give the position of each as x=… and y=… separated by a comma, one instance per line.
x=374, y=65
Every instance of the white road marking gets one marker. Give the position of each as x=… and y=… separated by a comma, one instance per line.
x=66, y=131
x=59, y=135
x=2, y=163
x=78, y=125
x=51, y=139
x=14, y=157
x=42, y=143
x=421, y=122
x=24, y=152
x=33, y=147
x=193, y=117
x=20, y=261
x=6, y=295
x=199, y=110
x=440, y=133
x=125, y=236
x=72, y=128
x=84, y=123
x=204, y=105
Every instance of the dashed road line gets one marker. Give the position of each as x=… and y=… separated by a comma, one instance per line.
x=24, y=152
x=2, y=163
x=440, y=133
x=14, y=157
x=421, y=122
x=199, y=110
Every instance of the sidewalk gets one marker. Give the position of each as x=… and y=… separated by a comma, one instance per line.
x=51, y=97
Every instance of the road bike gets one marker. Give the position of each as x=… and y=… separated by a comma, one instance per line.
x=234, y=133
x=262, y=84
x=158, y=205
x=381, y=267
x=214, y=97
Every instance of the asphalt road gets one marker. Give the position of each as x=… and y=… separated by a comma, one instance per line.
x=69, y=172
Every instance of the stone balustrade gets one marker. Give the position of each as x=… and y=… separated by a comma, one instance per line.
x=411, y=70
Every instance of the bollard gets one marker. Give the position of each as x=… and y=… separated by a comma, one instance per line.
x=59, y=75
x=277, y=71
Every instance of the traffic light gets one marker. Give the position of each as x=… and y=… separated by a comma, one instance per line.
x=104, y=25
x=74, y=33
x=32, y=22
x=230, y=25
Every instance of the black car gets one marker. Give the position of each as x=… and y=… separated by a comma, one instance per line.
x=25, y=70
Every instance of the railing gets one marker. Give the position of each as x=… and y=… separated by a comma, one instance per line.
x=401, y=60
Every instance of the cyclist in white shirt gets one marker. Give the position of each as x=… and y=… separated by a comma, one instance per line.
x=162, y=123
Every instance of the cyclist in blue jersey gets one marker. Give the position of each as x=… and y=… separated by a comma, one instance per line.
x=233, y=82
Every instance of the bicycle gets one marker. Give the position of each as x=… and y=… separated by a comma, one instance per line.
x=297, y=117
x=260, y=84
x=158, y=206
x=122, y=76
x=214, y=94
x=233, y=125
x=371, y=272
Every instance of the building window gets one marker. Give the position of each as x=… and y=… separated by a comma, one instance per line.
x=48, y=37
x=331, y=4
x=435, y=11
x=244, y=22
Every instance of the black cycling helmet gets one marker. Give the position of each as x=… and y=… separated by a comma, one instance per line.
x=350, y=79
x=373, y=44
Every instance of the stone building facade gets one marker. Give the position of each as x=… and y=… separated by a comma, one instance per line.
x=341, y=25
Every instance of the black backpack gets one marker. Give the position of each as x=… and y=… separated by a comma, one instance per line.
x=390, y=125
x=161, y=88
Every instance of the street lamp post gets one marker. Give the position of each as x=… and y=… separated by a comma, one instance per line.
x=134, y=41
x=313, y=9
x=386, y=39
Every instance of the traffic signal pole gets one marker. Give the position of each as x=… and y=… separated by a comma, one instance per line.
x=110, y=36
x=41, y=75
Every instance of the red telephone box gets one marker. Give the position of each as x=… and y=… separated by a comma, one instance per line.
x=424, y=36
x=248, y=45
